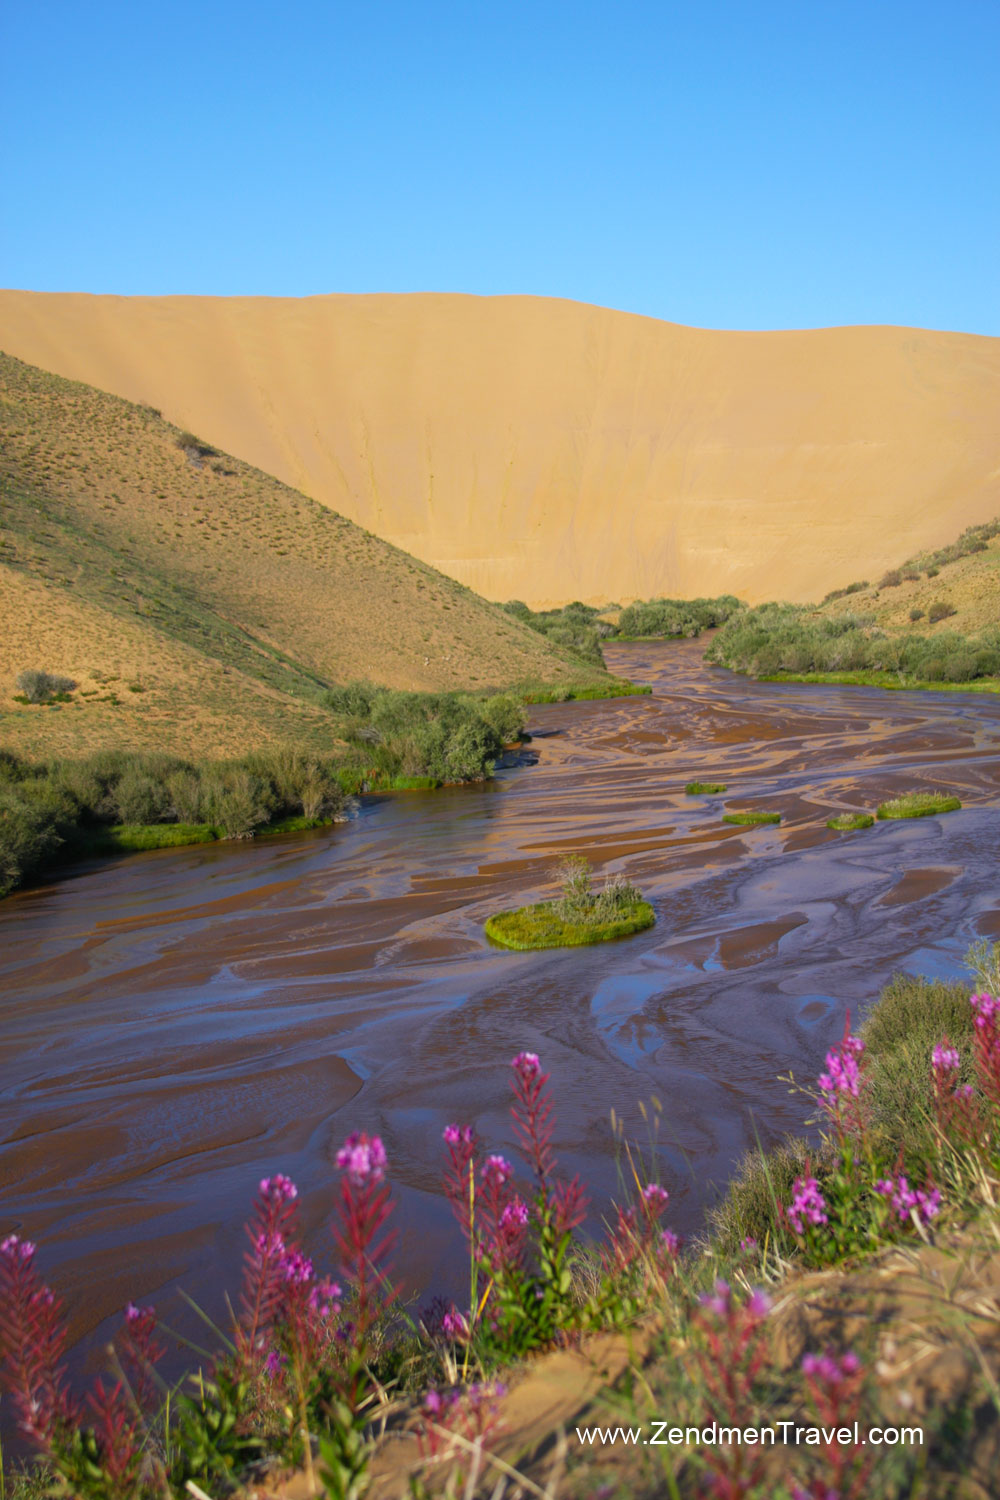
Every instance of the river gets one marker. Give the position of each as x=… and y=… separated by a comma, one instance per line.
x=180, y=1023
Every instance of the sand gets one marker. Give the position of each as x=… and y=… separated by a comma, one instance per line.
x=548, y=450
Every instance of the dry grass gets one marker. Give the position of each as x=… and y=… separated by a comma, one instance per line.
x=230, y=599
x=971, y=585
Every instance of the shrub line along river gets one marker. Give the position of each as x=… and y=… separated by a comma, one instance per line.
x=178, y=1024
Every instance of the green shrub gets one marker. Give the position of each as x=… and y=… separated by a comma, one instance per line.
x=140, y=798
x=916, y=614
x=505, y=714
x=891, y=580
x=28, y=837
x=44, y=687
x=940, y=610
x=676, y=617
x=186, y=797
x=705, y=788
x=235, y=801
x=776, y=638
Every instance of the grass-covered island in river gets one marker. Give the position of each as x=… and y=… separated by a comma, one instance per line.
x=850, y=822
x=578, y=916
x=919, y=805
x=748, y=819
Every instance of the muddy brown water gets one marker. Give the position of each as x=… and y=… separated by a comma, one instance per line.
x=178, y=1024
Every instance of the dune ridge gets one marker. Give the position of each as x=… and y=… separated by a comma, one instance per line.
x=549, y=450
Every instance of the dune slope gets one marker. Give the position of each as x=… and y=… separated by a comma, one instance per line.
x=547, y=450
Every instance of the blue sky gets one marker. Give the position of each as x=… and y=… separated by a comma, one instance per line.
x=713, y=162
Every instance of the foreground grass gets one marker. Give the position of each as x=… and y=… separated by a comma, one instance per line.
x=919, y=805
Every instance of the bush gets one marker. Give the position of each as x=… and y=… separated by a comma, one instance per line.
x=505, y=714
x=916, y=614
x=891, y=580
x=235, y=801
x=776, y=638
x=27, y=837
x=139, y=798
x=43, y=687
x=676, y=617
x=852, y=588
x=940, y=610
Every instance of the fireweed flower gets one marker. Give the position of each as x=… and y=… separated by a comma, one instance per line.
x=807, y=1204
x=363, y=1158
x=278, y=1189
x=497, y=1170
x=842, y=1086
x=527, y=1064
x=458, y=1135
x=905, y=1199
x=945, y=1059
x=454, y=1325
x=296, y=1268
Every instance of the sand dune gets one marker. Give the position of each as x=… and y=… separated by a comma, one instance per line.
x=548, y=450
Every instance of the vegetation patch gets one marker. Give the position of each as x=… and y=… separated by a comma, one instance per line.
x=577, y=917
x=749, y=818
x=130, y=838
x=705, y=788
x=919, y=805
x=850, y=822
x=119, y=801
x=791, y=642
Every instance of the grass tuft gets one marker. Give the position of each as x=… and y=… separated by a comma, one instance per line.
x=850, y=822
x=750, y=818
x=704, y=788
x=919, y=805
x=541, y=926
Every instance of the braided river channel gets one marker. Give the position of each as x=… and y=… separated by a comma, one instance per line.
x=176, y=1025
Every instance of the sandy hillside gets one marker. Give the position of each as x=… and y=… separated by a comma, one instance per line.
x=547, y=450
x=198, y=601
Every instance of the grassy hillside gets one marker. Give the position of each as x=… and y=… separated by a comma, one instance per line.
x=545, y=450
x=964, y=577
x=199, y=604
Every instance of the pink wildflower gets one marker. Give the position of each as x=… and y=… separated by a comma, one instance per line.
x=363, y=1158
x=807, y=1204
x=906, y=1200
